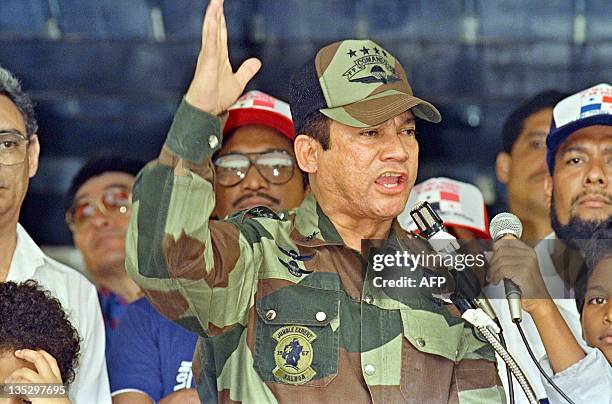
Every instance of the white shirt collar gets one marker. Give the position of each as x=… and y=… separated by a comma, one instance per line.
x=26, y=258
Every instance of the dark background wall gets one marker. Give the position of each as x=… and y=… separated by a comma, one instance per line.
x=106, y=75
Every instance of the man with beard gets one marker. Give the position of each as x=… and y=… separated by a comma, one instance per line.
x=578, y=191
x=521, y=165
x=280, y=296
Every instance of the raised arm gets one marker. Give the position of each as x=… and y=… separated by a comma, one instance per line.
x=185, y=263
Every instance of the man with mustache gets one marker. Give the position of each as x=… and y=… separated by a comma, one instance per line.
x=283, y=299
x=521, y=165
x=256, y=164
x=578, y=191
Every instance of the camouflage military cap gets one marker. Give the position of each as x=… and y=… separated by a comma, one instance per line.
x=361, y=85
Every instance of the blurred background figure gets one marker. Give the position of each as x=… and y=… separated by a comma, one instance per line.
x=460, y=206
x=521, y=165
x=98, y=204
x=148, y=354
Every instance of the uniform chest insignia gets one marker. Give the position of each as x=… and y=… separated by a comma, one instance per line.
x=292, y=265
x=293, y=354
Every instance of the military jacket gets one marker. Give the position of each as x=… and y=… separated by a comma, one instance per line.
x=280, y=302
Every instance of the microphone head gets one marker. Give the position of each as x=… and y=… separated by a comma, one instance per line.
x=426, y=218
x=505, y=223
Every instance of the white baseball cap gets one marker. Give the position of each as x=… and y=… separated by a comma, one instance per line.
x=459, y=204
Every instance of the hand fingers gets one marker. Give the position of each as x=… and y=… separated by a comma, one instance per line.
x=42, y=366
x=223, y=37
x=52, y=364
x=211, y=30
x=506, y=243
x=24, y=375
x=247, y=71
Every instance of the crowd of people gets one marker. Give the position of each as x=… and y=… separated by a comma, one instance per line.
x=232, y=268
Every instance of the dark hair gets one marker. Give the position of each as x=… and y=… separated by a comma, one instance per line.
x=10, y=87
x=513, y=125
x=33, y=319
x=97, y=166
x=598, y=248
x=316, y=125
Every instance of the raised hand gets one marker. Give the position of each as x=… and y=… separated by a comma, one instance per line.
x=215, y=86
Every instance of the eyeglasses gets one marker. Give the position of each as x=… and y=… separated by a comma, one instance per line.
x=13, y=147
x=276, y=166
x=114, y=200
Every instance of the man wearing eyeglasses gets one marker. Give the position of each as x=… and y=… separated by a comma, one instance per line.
x=98, y=204
x=22, y=259
x=256, y=164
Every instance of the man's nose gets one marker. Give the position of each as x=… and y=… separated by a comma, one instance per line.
x=596, y=175
x=253, y=180
x=395, y=147
x=100, y=219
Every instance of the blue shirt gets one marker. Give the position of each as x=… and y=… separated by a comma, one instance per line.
x=113, y=308
x=150, y=353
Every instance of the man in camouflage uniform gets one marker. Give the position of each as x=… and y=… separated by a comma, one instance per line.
x=279, y=297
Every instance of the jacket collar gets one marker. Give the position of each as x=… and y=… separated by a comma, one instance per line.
x=315, y=229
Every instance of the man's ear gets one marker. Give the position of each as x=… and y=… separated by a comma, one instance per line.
x=33, y=153
x=502, y=167
x=548, y=190
x=307, y=153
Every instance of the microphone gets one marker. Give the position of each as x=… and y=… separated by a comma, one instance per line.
x=432, y=228
x=506, y=225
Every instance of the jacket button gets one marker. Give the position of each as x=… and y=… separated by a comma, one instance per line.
x=368, y=299
x=213, y=141
x=420, y=342
x=369, y=369
x=321, y=316
x=271, y=315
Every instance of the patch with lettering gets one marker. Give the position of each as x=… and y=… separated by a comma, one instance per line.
x=294, y=354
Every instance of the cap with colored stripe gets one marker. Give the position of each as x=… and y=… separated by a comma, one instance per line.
x=357, y=83
x=459, y=204
x=589, y=107
x=259, y=108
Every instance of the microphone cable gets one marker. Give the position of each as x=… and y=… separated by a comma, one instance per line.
x=533, y=358
x=508, y=373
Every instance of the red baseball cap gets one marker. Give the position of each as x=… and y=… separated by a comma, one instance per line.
x=258, y=108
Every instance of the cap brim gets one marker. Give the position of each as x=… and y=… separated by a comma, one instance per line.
x=255, y=116
x=557, y=136
x=377, y=109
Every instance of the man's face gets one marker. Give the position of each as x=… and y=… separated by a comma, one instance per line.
x=369, y=172
x=254, y=189
x=597, y=310
x=524, y=169
x=580, y=183
x=14, y=179
x=101, y=235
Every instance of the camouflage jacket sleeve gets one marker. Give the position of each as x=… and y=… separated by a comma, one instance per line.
x=187, y=264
